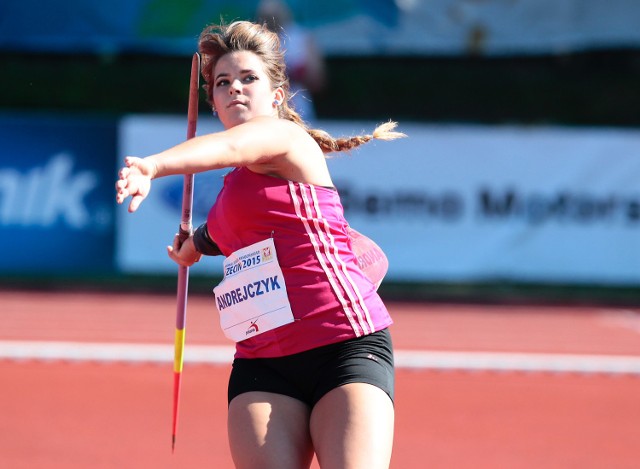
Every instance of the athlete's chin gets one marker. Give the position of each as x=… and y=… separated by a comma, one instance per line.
x=237, y=118
x=232, y=122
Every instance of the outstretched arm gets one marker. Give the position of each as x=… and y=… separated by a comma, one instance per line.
x=256, y=142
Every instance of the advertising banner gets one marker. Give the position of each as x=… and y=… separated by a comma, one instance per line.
x=448, y=203
x=56, y=193
x=142, y=236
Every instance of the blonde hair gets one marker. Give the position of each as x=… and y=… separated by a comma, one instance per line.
x=218, y=40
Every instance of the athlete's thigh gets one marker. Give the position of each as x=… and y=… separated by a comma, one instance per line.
x=268, y=430
x=352, y=427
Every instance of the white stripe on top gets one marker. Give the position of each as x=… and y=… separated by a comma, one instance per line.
x=347, y=281
x=355, y=318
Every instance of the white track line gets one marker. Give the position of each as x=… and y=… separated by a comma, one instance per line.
x=541, y=362
x=112, y=352
x=418, y=360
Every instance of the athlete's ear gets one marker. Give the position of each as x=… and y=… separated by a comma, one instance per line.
x=278, y=96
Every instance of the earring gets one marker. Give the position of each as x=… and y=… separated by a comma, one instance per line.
x=276, y=102
x=215, y=113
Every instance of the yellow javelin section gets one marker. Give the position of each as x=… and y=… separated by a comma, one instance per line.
x=179, y=351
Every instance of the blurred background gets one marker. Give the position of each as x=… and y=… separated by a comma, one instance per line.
x=519, y=179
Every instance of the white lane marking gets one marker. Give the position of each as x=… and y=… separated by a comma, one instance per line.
x=540, y=362
x=405, y=359
x=112, y=352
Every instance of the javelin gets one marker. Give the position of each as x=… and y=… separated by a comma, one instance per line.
x=185, y=230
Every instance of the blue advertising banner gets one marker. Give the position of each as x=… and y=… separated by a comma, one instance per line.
x=56, y=193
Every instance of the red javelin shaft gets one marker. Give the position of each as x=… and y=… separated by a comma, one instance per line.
x=185, y=230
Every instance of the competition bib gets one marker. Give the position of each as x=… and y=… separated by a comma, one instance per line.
x=252, y=297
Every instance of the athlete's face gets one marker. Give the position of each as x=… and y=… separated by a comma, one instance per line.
x=242, y=89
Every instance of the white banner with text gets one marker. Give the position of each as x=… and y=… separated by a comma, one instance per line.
x=448, y=203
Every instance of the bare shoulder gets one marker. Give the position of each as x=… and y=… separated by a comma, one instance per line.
x=302, y=159
x=282, y=127
x=287, y=136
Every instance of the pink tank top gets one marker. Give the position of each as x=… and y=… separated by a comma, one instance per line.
x=330, y=297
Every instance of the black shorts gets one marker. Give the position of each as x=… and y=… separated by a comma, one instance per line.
x=307, y=376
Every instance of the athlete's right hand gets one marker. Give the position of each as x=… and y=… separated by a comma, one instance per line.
x=135, y=181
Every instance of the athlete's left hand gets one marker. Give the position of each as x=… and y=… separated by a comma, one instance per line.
x=183, y=252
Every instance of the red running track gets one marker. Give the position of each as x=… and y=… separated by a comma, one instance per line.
x=78, y=414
